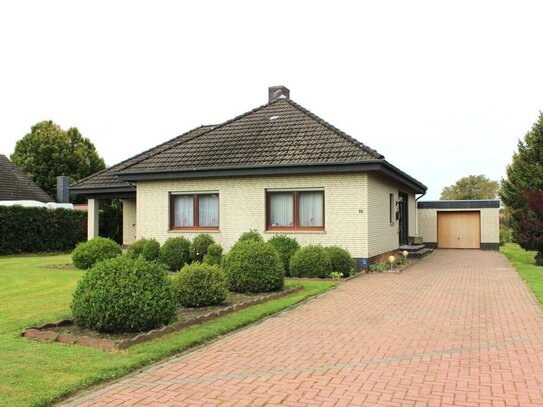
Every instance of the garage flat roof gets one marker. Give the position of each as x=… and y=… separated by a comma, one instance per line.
x=467, y=204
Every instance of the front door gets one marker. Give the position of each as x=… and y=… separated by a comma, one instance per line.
x=403, y=221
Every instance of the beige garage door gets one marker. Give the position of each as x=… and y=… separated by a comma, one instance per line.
x=459, y=230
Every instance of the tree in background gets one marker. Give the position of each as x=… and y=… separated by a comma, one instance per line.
x=522, y=191
x=48, y=151
x=471, y=187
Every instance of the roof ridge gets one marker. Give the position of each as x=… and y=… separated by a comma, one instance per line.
x=141, y=155
x=339, y=132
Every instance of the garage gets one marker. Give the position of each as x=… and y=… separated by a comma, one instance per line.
x=469, y=224
x=459, y=230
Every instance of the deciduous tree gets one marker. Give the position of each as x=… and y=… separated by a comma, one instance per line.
x=471, y=187
x=48, y=151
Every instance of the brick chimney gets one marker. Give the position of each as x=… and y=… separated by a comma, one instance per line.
x=278, y=92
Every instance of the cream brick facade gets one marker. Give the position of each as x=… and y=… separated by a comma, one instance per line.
x=129, y=221
x=490, y=223
x=384, y=235
x=242, y=206
x=352, y=221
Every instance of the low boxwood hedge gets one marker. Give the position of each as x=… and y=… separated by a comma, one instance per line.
x=88, y=253
x=200, y=285
x=341, y=259
x=175, y=253
x=124, y=295
x=311, y=261
x=253, y=266
x=286, y=247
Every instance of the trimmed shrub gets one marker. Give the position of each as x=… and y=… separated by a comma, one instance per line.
x=286, y=247
x=32, y=230
x=214, y=255
x=341, y=259
x=151, y=250
x=253, y=267
x=175, y=253
x=200, y=285
x=87, y=254
x=124, y=295
x=311, y=261
x=135, y=249
x=199, y=246
x=251, y=235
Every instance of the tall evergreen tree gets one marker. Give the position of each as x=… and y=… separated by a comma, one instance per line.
x=522, y=190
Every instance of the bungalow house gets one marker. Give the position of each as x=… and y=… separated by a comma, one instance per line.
x=277, y=169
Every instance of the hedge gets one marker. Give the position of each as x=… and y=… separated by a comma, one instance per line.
x=32, y=230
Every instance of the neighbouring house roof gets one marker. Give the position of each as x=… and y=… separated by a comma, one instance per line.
x=16, y=186
x=280, y=137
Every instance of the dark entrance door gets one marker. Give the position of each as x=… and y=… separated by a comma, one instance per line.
x=403, y=220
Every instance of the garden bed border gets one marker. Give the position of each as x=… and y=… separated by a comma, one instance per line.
x=43, y=332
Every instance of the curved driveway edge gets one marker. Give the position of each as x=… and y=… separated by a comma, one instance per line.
x=459, y=328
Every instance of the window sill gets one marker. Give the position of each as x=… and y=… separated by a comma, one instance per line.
x=295, y=231
x=194, y=230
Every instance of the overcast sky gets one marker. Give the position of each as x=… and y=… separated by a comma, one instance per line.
x=443, y=89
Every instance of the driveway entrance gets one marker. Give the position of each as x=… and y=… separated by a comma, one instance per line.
x=458, y=328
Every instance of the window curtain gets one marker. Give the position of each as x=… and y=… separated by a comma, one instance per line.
x=281, y=209
x=311, y=208
x=184, y=210
x=208, y=210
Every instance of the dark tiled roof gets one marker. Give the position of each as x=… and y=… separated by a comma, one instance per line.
x=280, y=136
x=16, y=186
x=279, y=133
x=108, y=179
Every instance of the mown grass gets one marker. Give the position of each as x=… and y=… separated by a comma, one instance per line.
x=524, y=263
x=35, y=374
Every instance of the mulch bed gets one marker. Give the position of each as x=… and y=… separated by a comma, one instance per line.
x=398, y=268
x=66, y=331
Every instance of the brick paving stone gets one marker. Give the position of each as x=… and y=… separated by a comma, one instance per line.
x=457, y=328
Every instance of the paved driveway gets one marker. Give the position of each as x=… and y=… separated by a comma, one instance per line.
x=458, y=328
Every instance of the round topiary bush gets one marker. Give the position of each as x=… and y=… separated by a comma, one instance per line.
x=200, y=285
x=253, y=267
x=251, y=235
x=214, y=254
x=286, y=247
x=124, y=295
x=151, y=250
x=87, y=254
x=135, y=248
x=199, y=246
x=341, y=259
x=175, y=253
x=311, y=261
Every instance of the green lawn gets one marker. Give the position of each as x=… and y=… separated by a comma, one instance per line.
x=34, y=373
x=524, y=262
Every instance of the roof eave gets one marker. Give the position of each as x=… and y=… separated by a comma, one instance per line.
x=120, y=190
x=379, y=165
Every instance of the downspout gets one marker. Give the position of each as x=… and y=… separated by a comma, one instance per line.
x=417, y=214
